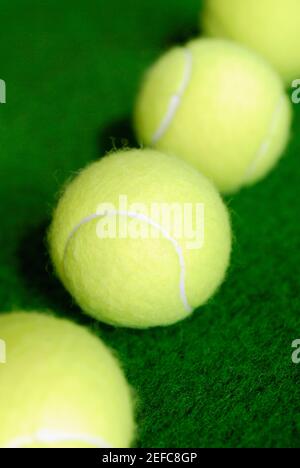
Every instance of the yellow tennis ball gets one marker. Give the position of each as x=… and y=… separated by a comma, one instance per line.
x=60, y=387
x=140, y=239
x=272, y=27
x=219, y=107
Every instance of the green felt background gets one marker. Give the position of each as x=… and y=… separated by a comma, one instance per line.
x=224, y=377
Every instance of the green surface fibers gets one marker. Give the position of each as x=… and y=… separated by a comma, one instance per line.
x=223, y=378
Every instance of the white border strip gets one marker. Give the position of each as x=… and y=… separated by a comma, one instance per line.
x=175, y=99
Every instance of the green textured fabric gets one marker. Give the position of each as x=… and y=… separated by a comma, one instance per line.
x=223, y=378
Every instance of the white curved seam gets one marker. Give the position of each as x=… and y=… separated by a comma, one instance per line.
x=176, y=99
x=152, y=223
x=45, y=436
x=265, y=146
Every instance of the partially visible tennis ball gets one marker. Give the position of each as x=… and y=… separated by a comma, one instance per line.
x=272, y=27
x=60, y=387
x=219, y=107
x=140, y=239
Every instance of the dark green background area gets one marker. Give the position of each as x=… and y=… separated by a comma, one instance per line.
x=223, y=378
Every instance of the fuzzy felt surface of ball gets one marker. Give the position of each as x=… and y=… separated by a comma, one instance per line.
x=270, y=27
x=140, y=239
x=60, y=387
x=220, y=107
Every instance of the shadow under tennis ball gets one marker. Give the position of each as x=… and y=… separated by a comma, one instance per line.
x=116, y=135
x=38, y=275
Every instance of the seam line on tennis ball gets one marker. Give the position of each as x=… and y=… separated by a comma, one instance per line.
x=176, y=99
x=152, y=223
x=46, y=436
x=265, y=146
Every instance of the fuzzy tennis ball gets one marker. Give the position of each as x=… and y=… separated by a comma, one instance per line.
x=140, y=239
x=60, y=387
x=220, y=107
x=271, y=27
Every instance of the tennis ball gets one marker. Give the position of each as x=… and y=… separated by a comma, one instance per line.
x=220, y=107
x=140, y=239
x=60, y=387
x=270, y=27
